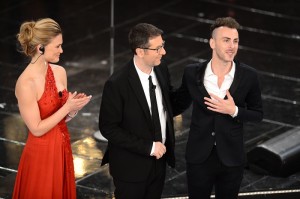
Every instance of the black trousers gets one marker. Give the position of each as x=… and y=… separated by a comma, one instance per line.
x=150, y=189
x=212, y=173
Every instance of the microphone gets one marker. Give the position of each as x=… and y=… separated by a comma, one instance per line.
x=60, y=94
x=153, y=87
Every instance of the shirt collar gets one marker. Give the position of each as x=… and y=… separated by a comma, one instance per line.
x=143, y=75
x=232, y=71
x=209, y=72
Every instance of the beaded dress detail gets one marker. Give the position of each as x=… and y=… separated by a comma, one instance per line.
x=46, y=168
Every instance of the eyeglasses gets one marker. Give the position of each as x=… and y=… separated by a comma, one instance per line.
x=158, y=49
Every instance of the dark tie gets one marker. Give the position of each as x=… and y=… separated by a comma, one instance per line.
x=154, y=110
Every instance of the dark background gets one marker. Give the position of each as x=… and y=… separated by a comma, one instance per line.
x=269, y=42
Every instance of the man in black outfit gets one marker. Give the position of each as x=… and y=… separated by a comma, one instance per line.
x=225, y=94
x=137, y=119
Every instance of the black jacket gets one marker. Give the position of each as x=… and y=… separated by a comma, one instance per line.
x=125, y=121
x=208, y=127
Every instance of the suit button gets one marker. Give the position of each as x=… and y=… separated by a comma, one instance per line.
x=213, y=134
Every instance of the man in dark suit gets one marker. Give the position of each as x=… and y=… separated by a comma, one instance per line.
x=225, y=94
x=139, y=147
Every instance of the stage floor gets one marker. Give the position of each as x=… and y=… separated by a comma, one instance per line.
x=269, y=42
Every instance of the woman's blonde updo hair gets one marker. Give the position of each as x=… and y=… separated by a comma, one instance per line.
x=33, y=33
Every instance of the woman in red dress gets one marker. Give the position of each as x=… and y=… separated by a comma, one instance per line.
x=46, y=166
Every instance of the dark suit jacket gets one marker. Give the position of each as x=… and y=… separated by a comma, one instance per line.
x=125, y=121
x=208, y=127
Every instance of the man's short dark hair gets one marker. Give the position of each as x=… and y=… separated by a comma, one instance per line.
x=226, y=22
x=140, y=34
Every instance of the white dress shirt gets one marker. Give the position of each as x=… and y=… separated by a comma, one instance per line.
x=211, y=83
x=161, y=111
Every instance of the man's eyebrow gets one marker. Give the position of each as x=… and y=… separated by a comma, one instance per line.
x=230, y=38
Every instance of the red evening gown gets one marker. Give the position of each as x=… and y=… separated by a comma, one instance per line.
x=46, y=168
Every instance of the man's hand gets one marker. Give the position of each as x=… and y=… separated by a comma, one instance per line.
x=160, y=150
x=217, y=104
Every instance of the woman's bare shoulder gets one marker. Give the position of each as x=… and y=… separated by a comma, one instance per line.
x=24, y=83
x=57, y=68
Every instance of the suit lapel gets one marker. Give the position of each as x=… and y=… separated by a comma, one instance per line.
x=163, y=86
x=160, y=80
x=237, y=78
x=200, y=77
x=137, y=88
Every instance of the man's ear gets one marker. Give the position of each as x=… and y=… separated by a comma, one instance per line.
x=139, y=52
x=212, y=43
